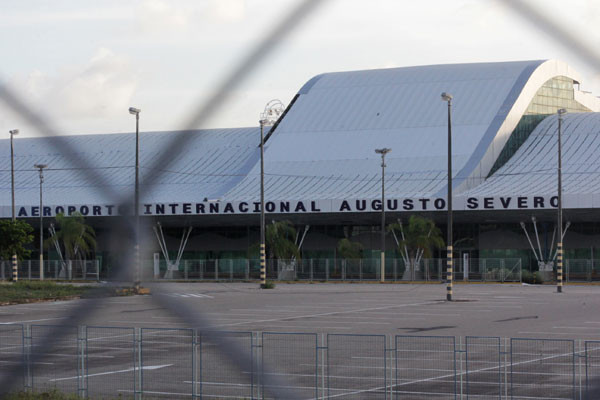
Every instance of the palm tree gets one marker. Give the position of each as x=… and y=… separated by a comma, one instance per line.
x=73, y=238
x=348, y=250
x=281, y=241
x=417, y=239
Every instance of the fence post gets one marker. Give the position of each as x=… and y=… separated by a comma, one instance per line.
x=81, y=362
x=395, y=269
x=231, y=269
x=460, y=363
x=506, y=354
x=216, y=269
x=324, y=349
x=185, y=269
x=28, y=376
x=581, y=356
x=2, y=270
x=360, y=265
x=138, y=383
x=567, y=270
x=196, y=365
x=247, y=269
x=326, y=269
x=311, y=269
x=484, y=276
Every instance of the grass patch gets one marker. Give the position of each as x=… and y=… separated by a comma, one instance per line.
x=47, y=395
x=27, y=291
x=269, y=285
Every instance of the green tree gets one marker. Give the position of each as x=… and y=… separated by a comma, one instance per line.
x=75, y=237
x=14, y=236
x=349, y=250
x=416, y=241
x=281, y=241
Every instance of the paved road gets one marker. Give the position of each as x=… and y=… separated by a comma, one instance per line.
x=351, y=367
x=481, y=310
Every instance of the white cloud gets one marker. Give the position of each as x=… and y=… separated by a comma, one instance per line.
x=158, y=15
x=228, y=10
x=82, y=96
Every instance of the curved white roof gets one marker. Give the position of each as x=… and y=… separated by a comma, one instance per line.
x=533, y=168
x=213, y=162
x=324, y=147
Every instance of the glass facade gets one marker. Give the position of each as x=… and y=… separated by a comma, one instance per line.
x=556, y=93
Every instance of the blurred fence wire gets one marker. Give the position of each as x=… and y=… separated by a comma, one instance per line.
x=281, y=29
x=48, y=338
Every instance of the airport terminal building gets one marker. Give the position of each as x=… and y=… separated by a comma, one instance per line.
x=323, y=175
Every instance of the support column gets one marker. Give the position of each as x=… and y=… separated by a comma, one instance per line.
x=263, y=266
x=559, y=267
x=15, y=268
x=449, y=273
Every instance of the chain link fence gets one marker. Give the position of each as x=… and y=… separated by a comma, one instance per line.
x=106, y=362
x=308, y=269
x=70, y=270
x=331, y=269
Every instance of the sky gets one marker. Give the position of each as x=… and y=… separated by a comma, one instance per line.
x=81, y=64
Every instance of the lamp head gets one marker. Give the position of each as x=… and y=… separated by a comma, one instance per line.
x=446, y=96
x=134, y=111
x=562, y=111
x=273, y=111
x=40, y=166
x=14, y=132
x=383, y=151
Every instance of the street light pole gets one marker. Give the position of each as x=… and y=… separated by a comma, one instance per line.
x=41, y=167
x=13, y=132
x=559, y=245
x=137, y=278
x=273, y=110
x=447, y=97
x=383, y=152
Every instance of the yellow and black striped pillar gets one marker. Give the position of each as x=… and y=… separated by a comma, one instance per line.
x=559, y=267
x=15, y=268
x=263, y=266
x=449, y=274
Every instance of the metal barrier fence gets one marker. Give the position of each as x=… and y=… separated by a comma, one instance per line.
x=325, y=269
x=309, y=269
x=107, y=362
x=582, y=270
x=53, y=269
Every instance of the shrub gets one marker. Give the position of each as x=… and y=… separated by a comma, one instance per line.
x=533, y=278
x=538, y=278
x=269, y=285
x=526, y=276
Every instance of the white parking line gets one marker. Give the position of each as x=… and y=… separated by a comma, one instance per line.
x=149, y=367
x=331, y=313
x=30, y=320
x=455, y=374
